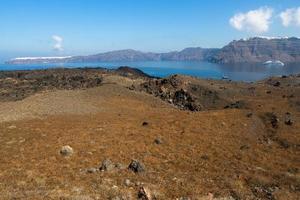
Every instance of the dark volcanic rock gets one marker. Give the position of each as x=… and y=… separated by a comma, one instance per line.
x=283, y=143
x=136, y=166
x=21, y=84
x=276, y=84
x=273, y=82
x=185, y=100
x=249, y=115
x=144, y=194
x=145, y=123
x=158, y=141
x=128, y=71
x=17, y=85
x=288, y=119
x=237, y=105
x=184, y=94
x=272, y=119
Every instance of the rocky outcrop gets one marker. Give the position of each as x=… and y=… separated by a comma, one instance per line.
x=131, y=72
x=185, y=93
x=17, y=85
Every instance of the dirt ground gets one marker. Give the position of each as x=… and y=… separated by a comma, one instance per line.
x=242, y=152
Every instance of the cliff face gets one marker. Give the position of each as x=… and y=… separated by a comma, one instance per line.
x=253, y=50
x=257, y=50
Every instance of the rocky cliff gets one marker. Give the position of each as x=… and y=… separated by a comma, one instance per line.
x=252, y=50
x=258, y=50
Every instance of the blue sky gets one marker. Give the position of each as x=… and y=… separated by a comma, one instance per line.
x=75, y=27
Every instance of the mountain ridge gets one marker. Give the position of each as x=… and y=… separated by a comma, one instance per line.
x=250, y=50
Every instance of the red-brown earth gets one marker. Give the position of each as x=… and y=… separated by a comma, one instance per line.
x=196, y=139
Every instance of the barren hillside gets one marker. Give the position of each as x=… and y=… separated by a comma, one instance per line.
x=99, y=134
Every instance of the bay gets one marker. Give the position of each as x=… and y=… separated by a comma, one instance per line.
x=236, y=72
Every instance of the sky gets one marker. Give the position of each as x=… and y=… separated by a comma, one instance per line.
x=82, y=27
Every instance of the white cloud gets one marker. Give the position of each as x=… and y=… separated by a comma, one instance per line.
x=57, y=43
x=257, y=21
x=290, y=17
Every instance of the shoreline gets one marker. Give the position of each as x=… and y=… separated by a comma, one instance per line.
x=219, y=77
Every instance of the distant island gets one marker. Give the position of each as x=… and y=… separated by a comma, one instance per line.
x=251, y=50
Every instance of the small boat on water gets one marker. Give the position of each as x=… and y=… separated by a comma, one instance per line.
x=274, y=63
x=224, y=77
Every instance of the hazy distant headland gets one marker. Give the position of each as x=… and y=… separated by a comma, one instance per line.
x=251, y=50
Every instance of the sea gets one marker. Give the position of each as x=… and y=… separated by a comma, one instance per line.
x=236, y=72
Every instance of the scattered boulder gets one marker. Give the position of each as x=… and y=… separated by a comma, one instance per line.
x=91, y=170
x=66, y=151
x=288, y=119
x=273, y=82
x=204, y=157
x=264, y=192
x=144, y=194
x=145, y=124
x=127, y=182
x=273, y=119
x=116, y=198
x=158, y=141
x=184, y=198
x=237, y=105
x=276, y=84
x=136, y=166
x=132, y=87
x=138, y=183
x=120, y=166
x=283, y=143
x=249, y=115
x=12, y=127
x=244, y=147
x=107, y=165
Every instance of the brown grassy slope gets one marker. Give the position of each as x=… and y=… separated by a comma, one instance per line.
x=225, y=152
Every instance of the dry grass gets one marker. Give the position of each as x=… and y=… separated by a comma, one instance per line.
x=221, y=152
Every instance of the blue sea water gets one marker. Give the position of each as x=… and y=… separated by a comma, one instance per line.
x=239, y=72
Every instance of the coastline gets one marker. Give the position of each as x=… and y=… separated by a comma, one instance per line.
x=237, y=72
